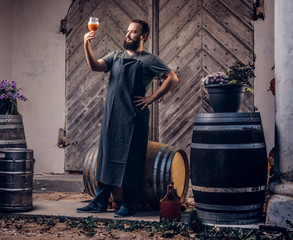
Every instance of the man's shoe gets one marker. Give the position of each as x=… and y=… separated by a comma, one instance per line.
x=89, y=209
x=124, y=212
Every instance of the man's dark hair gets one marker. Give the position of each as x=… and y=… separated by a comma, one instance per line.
x=145, y=27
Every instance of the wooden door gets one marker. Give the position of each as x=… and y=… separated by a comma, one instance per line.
x=86, y=90
x=198, y=37
x=193, y=37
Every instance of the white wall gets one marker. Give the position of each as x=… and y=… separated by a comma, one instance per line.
x=38, y=66
x=6, y=49
x=264, y=51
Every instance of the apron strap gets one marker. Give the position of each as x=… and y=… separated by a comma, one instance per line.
x=139, y=56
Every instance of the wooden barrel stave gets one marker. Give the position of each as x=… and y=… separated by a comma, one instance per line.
x=86, y=177
x=181, y=181
x=153, y=158
x=160, y=181
x=12, y=132
x=93, y=169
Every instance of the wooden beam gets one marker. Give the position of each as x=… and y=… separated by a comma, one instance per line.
x=155, y=50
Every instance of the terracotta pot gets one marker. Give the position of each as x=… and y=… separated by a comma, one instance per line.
x=226, y=97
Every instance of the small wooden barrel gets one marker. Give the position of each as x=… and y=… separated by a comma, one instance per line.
x=164, y=164
x=12, y=132
x=16, y=179
x=228, y=167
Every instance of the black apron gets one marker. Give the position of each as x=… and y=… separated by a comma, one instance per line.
x=124, y=131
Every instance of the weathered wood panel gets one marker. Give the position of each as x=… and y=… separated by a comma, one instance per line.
x=193, y=37
x=85, y=90
x=198, y=37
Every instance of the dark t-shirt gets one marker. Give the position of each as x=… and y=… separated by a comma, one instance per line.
x=152, y=66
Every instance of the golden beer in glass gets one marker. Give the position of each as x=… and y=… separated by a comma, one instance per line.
x=93, y=24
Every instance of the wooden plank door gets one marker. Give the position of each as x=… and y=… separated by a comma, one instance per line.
x=197, y=37
x=194, y=37
x=86, y=90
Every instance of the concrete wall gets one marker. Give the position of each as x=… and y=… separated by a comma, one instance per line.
x=264, y=51
x=6, y=33
x=33, y=53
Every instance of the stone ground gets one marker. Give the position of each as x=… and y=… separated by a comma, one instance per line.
x=25, y=230
x=42, y=227
x=36, y=227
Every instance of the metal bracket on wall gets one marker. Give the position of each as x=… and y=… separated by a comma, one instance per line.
x=62, y=139
x=258, y=9
x=63, y=28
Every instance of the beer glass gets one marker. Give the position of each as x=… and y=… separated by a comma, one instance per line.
x=93, y=24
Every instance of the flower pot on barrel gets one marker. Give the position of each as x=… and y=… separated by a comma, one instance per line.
x=226, y=97
x=226, y=90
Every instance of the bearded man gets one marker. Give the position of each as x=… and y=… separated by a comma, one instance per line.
x=124, y=131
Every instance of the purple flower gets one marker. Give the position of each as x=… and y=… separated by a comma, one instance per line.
x=9, y=90
x=216, y=78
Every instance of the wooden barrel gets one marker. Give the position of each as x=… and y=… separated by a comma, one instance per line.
x=12, y=132
x=16, y=179
x=228, y=167
x=164, y=164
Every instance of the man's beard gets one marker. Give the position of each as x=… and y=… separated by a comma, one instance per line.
x=134, y=45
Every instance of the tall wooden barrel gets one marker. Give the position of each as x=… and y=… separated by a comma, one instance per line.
x=12, y=132
x=16, y=179
x=228, y=167
x=163, y=164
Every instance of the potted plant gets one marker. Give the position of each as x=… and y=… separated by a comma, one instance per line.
x=226, y=90
x=9, y=94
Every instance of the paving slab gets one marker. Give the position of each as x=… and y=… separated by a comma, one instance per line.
x=68, y=209
x=55, y=208
x=58, y=183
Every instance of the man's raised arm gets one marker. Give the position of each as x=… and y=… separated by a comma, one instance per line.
x=94, y=64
